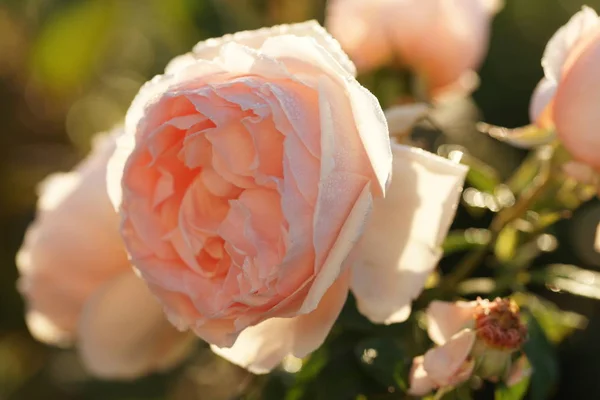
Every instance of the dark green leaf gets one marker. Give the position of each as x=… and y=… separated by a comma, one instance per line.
x=383, y=361
x=543, y=359
x=331, y=373
x=351, y=319
x=556, y=323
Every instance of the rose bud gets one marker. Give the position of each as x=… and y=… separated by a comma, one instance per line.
x=475, y=338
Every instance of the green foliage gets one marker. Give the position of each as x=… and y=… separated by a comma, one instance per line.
x=556, y=323
x=515, y=392
x=481, y=176
x=383, y=360
x=458, y=241
x=72, y=43
x=506, y=244
x=331, y=372
x=571, y=279
x=543, y=359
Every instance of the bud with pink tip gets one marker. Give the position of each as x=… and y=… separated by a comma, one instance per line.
x=478, y=338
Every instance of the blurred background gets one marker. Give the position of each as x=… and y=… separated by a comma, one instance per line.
x=70, y=68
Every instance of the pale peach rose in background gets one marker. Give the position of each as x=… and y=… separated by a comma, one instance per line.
x=78, y=284
x=442, y=40
x=473, y=338
x=567, y=99
x=246, y=176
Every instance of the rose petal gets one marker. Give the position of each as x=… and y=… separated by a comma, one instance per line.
x=420, y=383
x=209, y=49
x=124, y=145
x=447, y=319
x=520, y=370
x=357, y=25
x=344, y=243
x=401, y=244
x=493, y=6
x=123, y=332
x=540, y=107
x=373, y=130
x=401, y=119
x=445, y=364
x=560, y=45
x=262, y=347
x=75, y=235
x=576, y=105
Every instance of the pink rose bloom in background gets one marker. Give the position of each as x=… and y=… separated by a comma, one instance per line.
x=78, y=284
x=442, y=40
x=474, y=338
x=251, y=182
x=567, y=99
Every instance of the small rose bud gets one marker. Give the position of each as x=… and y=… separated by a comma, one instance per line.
x=477, y=338
x=500, y=334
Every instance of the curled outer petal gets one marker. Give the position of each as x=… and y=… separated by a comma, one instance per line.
x=401, y=244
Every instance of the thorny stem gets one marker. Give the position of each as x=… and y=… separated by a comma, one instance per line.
x=528, y=198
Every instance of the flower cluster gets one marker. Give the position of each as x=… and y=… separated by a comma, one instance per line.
x=256, y=183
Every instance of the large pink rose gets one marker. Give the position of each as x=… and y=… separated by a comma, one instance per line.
x=442, y=40
x=568, y=97
x=79, y=285
x=246, y=177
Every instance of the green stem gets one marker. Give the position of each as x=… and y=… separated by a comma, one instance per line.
x=442, y=392
x=473, y=259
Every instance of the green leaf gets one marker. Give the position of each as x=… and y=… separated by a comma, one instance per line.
x=547, y=219
x=331, y=372
x=458, y=241
x=383, y=361
x=556, y=323
x=481, y=176
x=462, y=392
x=543, y=359
x=525, y=137
x=525, y=174
x=571, y=279
x=506, y=244
x=515, y=392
